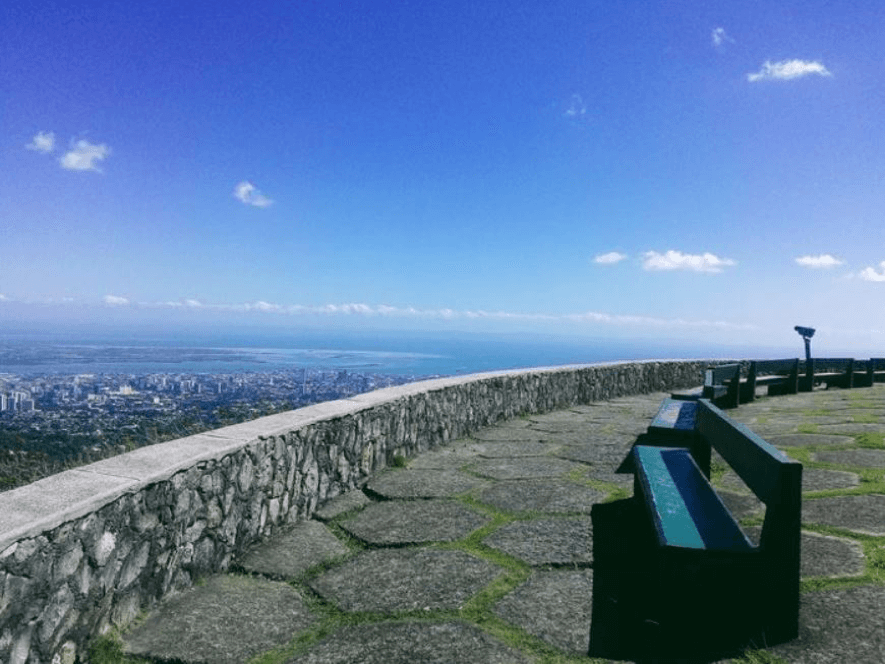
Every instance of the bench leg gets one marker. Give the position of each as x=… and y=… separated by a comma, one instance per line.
x=616, y=553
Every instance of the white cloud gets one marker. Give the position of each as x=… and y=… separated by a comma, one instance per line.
x=576, y=107
x=3, y=298
x=362, y=309
x=870, y=274
x=43, y=141
x=609, y=258
x=115, y=300
x=83, y=156
x=246, y=193
x=676, y=260
x=719, y=37
x=823, y=261
x=788, y=69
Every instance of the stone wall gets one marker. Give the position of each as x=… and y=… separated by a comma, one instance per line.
x=89, y=548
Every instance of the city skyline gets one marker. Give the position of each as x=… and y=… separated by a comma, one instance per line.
x=590, y=170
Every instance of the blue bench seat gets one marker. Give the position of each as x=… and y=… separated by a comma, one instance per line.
x=686, y=511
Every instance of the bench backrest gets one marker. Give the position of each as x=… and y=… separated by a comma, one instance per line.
x=777, y=481
x=763, y=467
x=722, y=374
x=775, y=367
x=832, y=364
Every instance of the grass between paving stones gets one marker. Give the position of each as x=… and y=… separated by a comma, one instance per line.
x=807, y=428
x=871, y=440
x=108, y=649
x=817, y=412
x=874, y=559
x=613, y=491
x=477, y=611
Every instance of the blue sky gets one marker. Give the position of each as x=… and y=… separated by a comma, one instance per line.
x=708, y=171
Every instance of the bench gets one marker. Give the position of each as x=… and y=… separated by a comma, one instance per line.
x=675, y=425
x=877, y=368
x=831, y=371
x=779, y=376
x=722, y=385
x=702, y=581
x=864, y=373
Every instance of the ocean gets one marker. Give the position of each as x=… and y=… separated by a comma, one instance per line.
x=409, y=354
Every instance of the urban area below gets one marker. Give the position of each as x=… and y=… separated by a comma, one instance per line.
x=52, y=422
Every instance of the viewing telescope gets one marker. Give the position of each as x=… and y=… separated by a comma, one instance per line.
x=806, y=333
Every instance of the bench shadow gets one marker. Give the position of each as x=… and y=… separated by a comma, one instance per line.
x=623, y=624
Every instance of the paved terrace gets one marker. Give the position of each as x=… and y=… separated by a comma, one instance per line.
x=482, y=551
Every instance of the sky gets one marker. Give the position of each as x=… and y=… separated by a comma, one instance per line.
x=686, y=170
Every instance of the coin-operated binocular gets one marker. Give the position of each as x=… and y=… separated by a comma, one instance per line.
x=806, y=334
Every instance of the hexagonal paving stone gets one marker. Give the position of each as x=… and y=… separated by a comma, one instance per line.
x=521, y=449
x=547, y=496
x=228, y=620
x=523, y=468
x=838, y=626
x=410, y=643
x=813, y=479
x=449, y=457
x=566, y=541
x=801, y=439
x=555, y=606
x=863, y=514
x=422, y=483
x=610, y=456
x=510, y=435
x=413, y=521
x=822, y=555
x=853, y=428
x=865, y=414
x=770, y=429
x=346, y=502
x=741, y=505
x=293, y=551
x=830, y=556
x=827, y=419
x=405, y=580
x=863, y=458
x=559, y=418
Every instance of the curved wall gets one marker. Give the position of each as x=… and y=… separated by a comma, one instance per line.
x=89, y=548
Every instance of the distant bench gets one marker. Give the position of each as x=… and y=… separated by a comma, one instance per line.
x=707, y=583
x=722, y=385
x=845, y=372
x=780, y=376
x=833, y=372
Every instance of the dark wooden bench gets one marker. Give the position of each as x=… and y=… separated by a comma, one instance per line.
x=779, y=376
x=675, y=425
x=864, y=374
x=722, y=385
x=831, y=371
x=877, y=368
x=704, y=582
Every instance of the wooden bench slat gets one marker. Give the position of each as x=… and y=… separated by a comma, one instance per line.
x=686, y=510
x=673, y=524
x=674, y=415
x=722, y=384
x=759, y=464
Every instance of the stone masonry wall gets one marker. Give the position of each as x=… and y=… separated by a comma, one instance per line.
x=88, y=549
